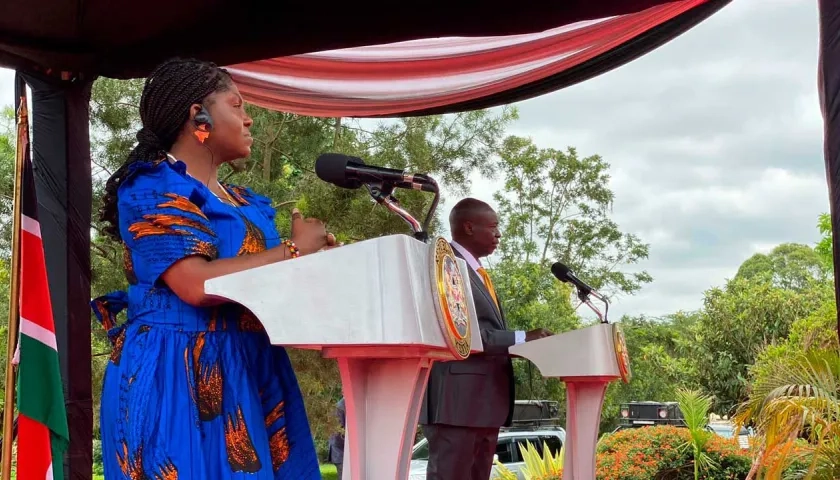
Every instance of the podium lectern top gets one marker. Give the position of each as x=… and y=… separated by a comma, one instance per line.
x=373, y=293
x=585, y=352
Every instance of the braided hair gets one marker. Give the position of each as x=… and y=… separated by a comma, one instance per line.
x=169, y=92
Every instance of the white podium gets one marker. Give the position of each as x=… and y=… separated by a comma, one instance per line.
x=371, y=305
x=587, y=360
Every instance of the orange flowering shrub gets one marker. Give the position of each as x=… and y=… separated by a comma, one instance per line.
x=644, y=453
x=791, y=458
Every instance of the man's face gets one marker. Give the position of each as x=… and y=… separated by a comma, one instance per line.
x=484, y=232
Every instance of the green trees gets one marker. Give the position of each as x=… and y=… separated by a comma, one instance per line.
x=794, y=397
x=659, y=361
x=737, y=323
x=789, y=266
x=7, y=162
x=775, y=301
x=795, y=407
x=556, y=206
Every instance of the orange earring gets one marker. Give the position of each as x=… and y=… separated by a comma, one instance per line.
x=201, y=133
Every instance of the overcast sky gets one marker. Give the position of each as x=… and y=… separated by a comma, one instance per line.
x=715, y=142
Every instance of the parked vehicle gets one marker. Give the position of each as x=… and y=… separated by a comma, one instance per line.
x=534, y=421
x=645, y=414
x=726, y=429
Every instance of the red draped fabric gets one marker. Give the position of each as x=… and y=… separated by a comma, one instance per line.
x=445, y=74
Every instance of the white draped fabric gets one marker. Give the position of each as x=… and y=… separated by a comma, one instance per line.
x=427, y=74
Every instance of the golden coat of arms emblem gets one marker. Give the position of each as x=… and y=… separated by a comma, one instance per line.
x=622, y=356
x=449, y=291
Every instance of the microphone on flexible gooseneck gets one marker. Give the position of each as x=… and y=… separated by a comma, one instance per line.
x=346, y=171
x=351, y=172
x=565, y=274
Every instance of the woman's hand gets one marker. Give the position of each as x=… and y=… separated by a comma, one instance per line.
x=331, y=243
x=187, y=276
x=309, y=234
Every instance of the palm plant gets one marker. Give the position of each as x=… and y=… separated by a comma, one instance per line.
x=695, y=408
x=795, y=408
x=548, y=466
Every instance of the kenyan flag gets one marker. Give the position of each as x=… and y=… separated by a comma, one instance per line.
x=42, y=421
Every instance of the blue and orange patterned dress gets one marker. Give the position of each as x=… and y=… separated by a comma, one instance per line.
x=194, y=393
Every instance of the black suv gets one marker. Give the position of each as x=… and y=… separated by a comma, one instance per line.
x=645, y=414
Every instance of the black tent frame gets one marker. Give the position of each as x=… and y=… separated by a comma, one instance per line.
x=59, y=54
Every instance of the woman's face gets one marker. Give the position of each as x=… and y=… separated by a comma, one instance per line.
x=230, y=138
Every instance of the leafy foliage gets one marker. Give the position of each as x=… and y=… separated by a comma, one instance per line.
x=655, y=453
x=739, y=321
x=789, y=266
x=695, y=409
x=798, y=397
x=657, y=351
x=814, y=332
x=824, y=246
x=4, y=315
x=7, y=165
x=794, y=395
x=8, y=134
x=556, y=205
x=538, y=466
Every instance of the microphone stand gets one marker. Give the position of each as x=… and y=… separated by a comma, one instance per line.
x=383, y=194
x=583, y=295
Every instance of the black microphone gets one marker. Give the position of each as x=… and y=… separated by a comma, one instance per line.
x=564, y=274
x=351, y=172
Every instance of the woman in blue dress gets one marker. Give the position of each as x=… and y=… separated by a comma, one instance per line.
x=193, y=389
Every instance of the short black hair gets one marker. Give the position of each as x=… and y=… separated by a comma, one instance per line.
x=170, y=90
x=466, y=210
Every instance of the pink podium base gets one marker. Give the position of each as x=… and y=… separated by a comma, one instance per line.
x=382, y=397
x=584, y=401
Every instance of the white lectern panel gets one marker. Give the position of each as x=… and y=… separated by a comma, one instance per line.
x=375, y=292
x=586, y=352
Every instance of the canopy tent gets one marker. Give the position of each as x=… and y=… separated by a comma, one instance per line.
x=123, y=40
x=61, y=46
x=441, y=75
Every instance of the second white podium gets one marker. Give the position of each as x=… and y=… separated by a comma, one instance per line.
x=587, y=360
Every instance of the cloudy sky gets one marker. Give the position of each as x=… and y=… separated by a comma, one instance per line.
x=715, y=144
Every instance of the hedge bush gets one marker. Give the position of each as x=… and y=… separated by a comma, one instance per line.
x=654, y=453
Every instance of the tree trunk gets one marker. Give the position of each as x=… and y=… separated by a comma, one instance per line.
x=337, y=133
x=266, y=174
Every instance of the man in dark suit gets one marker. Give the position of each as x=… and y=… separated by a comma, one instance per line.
x=468, y=401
